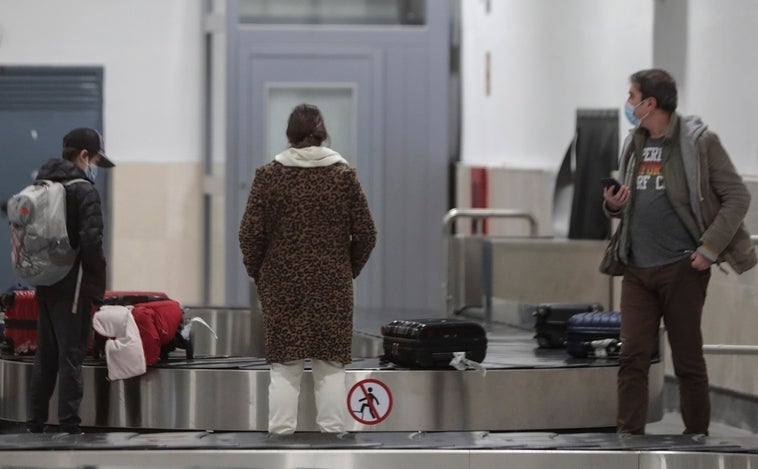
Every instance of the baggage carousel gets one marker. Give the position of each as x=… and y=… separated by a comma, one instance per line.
x=528, y=408
x=519, y=388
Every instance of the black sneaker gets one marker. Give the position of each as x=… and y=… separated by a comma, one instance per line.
x=35, y=428
x=71, y=429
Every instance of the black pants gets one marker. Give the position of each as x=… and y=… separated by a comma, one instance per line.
x=62, y=340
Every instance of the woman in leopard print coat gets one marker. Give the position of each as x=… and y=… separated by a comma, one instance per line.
x=305, y=235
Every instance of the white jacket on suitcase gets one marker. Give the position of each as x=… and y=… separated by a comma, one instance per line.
x=124, y=355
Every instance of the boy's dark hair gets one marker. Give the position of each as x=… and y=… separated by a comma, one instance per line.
x=70, y=153
x=306, y=127
x=658, y=84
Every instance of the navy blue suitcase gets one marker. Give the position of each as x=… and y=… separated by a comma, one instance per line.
x=430, y=343
x=594, y=334
x=551, y=319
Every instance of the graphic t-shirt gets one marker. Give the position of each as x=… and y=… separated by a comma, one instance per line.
x=658, y=236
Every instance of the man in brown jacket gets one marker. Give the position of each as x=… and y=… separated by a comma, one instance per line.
x=681, y=206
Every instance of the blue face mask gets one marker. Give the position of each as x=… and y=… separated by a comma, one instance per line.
x=91, y=172
x=629, y=111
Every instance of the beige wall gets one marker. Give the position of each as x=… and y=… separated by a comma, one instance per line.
x=731, y=310
x=157, y=229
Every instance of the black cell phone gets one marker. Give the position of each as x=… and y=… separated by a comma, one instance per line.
x=611, y=182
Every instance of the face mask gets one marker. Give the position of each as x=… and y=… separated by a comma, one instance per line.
x=629, y=111
x=91, y=172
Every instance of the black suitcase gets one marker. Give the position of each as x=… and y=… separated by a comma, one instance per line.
x=550, y=321
x=430, y=343
x=594, y=334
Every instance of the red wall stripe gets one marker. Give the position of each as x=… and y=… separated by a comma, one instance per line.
x=479, y=197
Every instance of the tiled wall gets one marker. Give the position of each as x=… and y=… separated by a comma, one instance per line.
x=157, y=229
x=731, y=317
x=526, y=189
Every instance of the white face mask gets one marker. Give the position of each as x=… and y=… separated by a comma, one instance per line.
x=91, y=171
x=629, y=111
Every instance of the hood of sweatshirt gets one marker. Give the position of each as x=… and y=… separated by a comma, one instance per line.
x=309, y=157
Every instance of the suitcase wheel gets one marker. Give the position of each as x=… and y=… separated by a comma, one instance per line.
x=6, y=346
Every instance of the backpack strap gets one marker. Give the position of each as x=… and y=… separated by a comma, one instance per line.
x=74, y=181
x=75, y=306
x=47, y=182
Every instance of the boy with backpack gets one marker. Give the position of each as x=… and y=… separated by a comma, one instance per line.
x=65, y=299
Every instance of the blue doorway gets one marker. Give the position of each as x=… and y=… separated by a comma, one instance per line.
x=38, y=105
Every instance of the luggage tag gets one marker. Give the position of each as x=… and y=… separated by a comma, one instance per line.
x=604, y=347
x=460, y=362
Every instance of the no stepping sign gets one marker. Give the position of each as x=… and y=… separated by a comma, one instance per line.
x=369, y=401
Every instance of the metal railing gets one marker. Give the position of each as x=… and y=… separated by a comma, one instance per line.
x=473, y=213
x=720, y=349
x=448, y=299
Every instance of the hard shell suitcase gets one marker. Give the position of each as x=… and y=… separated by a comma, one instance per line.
x=21, y=312
x=21, y=316
x=550, y=321
x=594, y=334
x=431, y=343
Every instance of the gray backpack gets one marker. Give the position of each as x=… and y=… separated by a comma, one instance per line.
x=41, y=252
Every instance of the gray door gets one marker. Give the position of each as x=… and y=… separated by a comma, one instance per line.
x=384, y=93
x=343, y=85
x=38, y=105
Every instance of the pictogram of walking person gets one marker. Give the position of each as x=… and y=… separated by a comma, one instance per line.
x=366, y=403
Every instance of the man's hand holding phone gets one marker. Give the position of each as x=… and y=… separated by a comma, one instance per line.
x=610, y=182
x=616, y=195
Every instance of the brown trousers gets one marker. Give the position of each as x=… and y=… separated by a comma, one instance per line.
x=676, y=293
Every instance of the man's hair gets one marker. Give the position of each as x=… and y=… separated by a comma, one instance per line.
x=658, y=84
x=306, y=127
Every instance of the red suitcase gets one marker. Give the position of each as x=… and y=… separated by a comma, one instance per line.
x=22, y=311
x=125, y=298
x=21, y=322
x=121, y=298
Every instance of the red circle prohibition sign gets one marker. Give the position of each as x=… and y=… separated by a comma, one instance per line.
x=370, y=401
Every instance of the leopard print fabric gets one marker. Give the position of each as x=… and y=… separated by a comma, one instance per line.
x=305, y=234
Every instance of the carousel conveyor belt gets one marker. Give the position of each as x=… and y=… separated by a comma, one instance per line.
x=522, y=388
x=376, y=450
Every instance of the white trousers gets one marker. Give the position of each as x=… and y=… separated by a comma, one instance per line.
x=284, y=392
